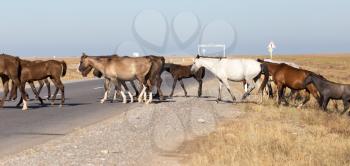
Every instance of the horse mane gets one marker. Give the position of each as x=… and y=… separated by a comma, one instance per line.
x=214, y=57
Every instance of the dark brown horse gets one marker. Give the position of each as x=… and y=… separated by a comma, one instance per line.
x=330, y=90
x=13, y=94
x=52, y=69
x=10, y=68
x=287, y=76
x=179, y=72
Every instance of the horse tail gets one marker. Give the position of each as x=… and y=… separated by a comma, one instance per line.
x=265, y=72
x=64, y=68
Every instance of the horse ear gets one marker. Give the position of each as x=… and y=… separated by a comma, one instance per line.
x=84, y=55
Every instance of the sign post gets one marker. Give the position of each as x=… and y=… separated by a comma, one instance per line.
x=270, y=48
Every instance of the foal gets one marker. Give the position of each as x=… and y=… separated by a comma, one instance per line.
x=179, y=72
x=330, y=90
x=38, y=71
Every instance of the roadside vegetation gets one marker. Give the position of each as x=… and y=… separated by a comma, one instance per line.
x=269, y=135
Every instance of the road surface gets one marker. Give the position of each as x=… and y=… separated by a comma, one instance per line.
x=20, y=130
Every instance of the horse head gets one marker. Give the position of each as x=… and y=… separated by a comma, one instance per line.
x=195, y=66
x=84, y=67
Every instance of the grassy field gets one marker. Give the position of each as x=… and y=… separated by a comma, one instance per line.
x=269, y=135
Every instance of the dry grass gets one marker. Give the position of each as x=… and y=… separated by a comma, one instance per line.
x=266, y=135
x=271, y=135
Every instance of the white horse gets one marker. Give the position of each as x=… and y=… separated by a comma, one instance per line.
x=234, y=70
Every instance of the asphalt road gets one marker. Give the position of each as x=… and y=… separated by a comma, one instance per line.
x=20, y=130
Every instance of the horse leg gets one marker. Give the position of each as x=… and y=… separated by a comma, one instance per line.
x=13, y=92
x=5, y=81
x=118, y=86
x=107, y=88
x=200, y=83
x=280, y=93
x=47, y=82
x=36, y=92
x=135, y=88
x=251, y=86
x=225, y=82
x=325, y=103
x=269, y=88
x=24, y=95
x=183, y=87
x=59, y=86
x=307, y=98
x=174, y=85
x=150, y=98
x=159, y=91
x=141, y=94
x=41, y=85
x=219, y=93
x=128, y=91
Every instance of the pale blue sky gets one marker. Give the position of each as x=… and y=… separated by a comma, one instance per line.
x=69, y=27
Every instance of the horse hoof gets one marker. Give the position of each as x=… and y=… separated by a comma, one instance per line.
x=52, y=103
x=102, y=101
x=60, y=105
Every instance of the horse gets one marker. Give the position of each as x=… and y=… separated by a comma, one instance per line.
x=13, y=93
x=52, y=69
x=10, y=68
x=237, y=70
x=329, y=90
x=154, y=79
x=179, y=72
x=270, y=90
x=284, y=76
x=119, y=68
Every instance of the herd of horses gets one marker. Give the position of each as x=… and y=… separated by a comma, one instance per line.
x=147, y=70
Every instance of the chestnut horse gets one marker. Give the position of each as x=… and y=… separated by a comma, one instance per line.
x=179, y=72
x=10, y=68
x=284, y=76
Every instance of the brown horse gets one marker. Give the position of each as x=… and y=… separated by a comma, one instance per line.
x=119, y=68
x=179, y=72
x=287, y=76
x=13, y=94
x=10, y=68
x=41, y=70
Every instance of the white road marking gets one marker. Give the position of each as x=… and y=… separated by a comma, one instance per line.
x=100, y=87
